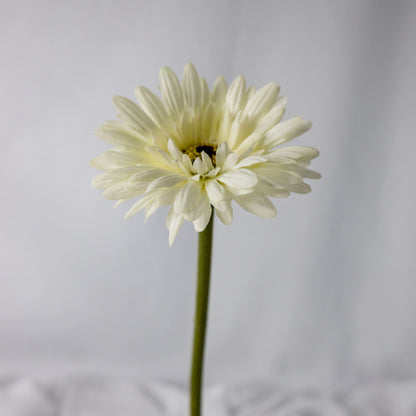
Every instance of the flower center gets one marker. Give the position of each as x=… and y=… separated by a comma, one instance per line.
x=195, y=151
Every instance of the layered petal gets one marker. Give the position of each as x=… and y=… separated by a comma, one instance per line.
x=133, y=115
x=171, y=90
x=258, y=204
x=194, y=149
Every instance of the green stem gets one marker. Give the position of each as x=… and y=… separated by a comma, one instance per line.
x=201, y=313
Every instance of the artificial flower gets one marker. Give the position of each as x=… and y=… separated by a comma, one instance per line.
x=194, y=148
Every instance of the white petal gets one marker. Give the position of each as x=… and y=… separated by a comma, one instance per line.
x=151, y=208
x=250, y=92
x=285, y=174
x=241, y=128
x=202, y=221
x=199, y=167
x=273, y=189
x=147, y=175
x=224, y=126
x=249, y=161
x=114, y=159
x=168, y=195
x=239, y=191
x=187, y=198
x=236, y=95
x=242, y=178
x=230, y=161
x=173, y=222
x=208, y=122
x=157, y=157
x=152, y=201
x=262, y=101
x=171, y=91
x=258, y=204
x=191, y=201
x=300, y=188
x=286, y=131
x=167, y=181
x=152, y=105
x=204, y=92
x=134, y=115
x=188, y=128
x=207, y=161
x=225, y=214
x=311, y=174
x=159, y=198
x=186, y=163
x=121, y=137
x=219, y=91
x=140, y=204
x=222, y=152
x=191, y=86
x=270, y=119
x=213, y=173
x=121, y=201
x=215, y=191
x=124, y=190
x=174, y=151
x=200, y=206
x=250, y=142
x=281, y=101
x=296, y=152
x=104, y=180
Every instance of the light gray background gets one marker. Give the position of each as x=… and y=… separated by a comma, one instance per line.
x=322, y=295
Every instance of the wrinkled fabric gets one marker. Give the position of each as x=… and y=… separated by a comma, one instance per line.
x=103, y=397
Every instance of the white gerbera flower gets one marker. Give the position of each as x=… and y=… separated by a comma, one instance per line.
x=195, y=149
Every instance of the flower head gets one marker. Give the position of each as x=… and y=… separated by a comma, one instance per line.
x=195, y=149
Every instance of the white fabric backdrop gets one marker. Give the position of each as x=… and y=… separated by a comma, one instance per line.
x=321, y=296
